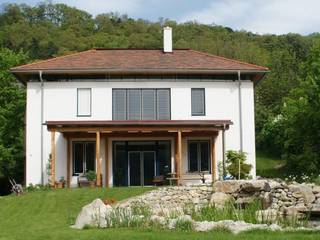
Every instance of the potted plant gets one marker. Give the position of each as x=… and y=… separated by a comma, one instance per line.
x=61, y=183
x=91, y=176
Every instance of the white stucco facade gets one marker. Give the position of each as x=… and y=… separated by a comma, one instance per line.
x=60, y=103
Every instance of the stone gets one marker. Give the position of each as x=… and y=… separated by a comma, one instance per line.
x=243, y=201
x=93, y=214
x=316, y=189
x=229, y=186
x=266, y=200
x=219, y=199
x=305, y=191
x=295, y=211
x=269, y=215
x=255, y=186
x=158, y=219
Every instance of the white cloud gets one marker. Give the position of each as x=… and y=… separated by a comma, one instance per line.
x=267, y=16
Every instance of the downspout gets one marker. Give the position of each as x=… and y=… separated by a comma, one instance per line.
x=41, y=147
x=240, y=120
x=223, y=153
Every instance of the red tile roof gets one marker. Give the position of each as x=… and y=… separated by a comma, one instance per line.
x=138, y=60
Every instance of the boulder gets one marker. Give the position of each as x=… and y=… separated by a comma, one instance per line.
x=316, y=189
x=297, y=211
x=303, y=190
x=266, y=200
x=94, y=214
x=229, y=186
x=219, y=199
x=255, y=186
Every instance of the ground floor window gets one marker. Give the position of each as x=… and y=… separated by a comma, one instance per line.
x=199, y=156
x=138, y=162
x=83, y=157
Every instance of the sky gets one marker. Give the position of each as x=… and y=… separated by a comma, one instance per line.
x=257, y=16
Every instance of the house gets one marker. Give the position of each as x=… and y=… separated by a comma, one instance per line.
x=133, y=114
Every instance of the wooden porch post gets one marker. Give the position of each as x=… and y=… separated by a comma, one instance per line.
x=53, y=158
x=107, y=162
x=68, y=163
x=179, y=155
x=213, y=159
x=98, y=162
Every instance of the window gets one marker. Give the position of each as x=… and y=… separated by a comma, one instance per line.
x=198, y=102
x=83, y=157
x=84, y=102
x=141, y=104
x=199, y=157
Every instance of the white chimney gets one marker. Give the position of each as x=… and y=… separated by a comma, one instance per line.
x=167, y=39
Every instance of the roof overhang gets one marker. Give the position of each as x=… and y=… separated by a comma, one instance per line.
x=24, y=75
x=138, y=126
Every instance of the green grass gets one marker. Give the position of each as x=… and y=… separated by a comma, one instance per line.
x=48, y=215
x=269, y=167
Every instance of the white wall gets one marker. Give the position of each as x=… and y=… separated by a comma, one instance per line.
x=60, y=103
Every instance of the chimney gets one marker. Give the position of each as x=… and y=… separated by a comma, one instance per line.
x=167, y=39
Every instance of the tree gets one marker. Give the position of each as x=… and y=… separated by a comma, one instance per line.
x=12, y=108
x=301, y=118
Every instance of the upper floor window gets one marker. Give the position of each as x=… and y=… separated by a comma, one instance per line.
x=141, y=104
x=198, y=102
x=84, y=102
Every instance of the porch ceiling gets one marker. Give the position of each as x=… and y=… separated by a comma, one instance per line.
x=138, y=126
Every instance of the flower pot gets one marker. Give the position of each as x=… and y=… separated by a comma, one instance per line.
x=92, y=184
x=59, y=185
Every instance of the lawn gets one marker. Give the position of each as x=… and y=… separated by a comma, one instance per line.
x=268, y=166
x=48, y=215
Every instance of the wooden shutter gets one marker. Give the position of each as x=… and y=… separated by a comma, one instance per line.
x=119, y=104
x=134, y=104
x=84, y=102
x=197, y=102
x=148, y=104
x=163, y=104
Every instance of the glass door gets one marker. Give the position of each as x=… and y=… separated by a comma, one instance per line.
x=141, y=167
x=149, y=165
x=134, y=169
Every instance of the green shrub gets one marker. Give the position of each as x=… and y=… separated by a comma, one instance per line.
x=91, y=175
x=234, y=158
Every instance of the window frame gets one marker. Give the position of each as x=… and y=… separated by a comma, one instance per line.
x=84, y=115
x=141, y=103
x=199, y=160
x=204, y=102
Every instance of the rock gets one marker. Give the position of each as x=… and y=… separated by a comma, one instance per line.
x=295, y=211
x=316, y=189
x=204, y=226
x=243, y=201
x=94, y=214
x=158, y=219
x=266, y=200
x=219, y=199
x=229, y=186
x=255, y=186
x=305, y=191
x=274, y=184
x=268, y=215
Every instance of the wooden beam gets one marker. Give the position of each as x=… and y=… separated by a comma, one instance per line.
x=107, y=162
x=68, y=163
x=98, y=162
x=179, y=155
x=53, y=158
x=213, y=159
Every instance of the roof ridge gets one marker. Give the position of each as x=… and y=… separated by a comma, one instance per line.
x=51, y=59
x=229, y=59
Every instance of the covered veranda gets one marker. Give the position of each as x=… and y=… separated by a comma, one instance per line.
x=107, y=130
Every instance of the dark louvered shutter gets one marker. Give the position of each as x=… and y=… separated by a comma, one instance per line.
x=163, y=104
x=148, y=104
x=134, y=104
x=197, y=102
x=119, y=104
